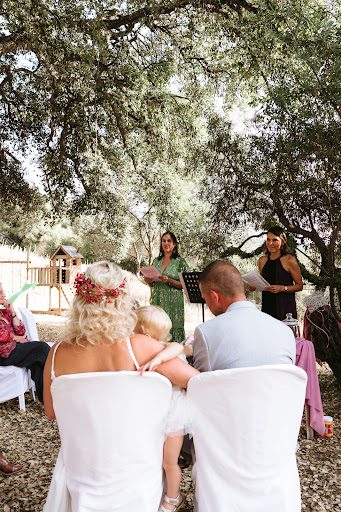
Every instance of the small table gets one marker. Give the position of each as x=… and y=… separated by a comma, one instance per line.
x=306, y=359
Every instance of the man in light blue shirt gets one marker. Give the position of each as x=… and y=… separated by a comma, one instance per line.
x=240, y=335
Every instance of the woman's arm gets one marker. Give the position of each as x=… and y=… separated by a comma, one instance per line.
x=177, y=371
x=261, y=262
x=182, y=267
x=48, y=402
x=148, y=280
x=294, y=269
x=5, y=332
x=19, y=329
x=171, y=282
x=12, y=317
x=170, y=351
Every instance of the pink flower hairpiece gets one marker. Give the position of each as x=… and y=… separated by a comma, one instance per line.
x=93, y=293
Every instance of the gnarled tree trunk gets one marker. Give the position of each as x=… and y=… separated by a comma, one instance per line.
x=325, y=334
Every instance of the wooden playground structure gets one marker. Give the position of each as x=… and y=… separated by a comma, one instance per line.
x=65, y=264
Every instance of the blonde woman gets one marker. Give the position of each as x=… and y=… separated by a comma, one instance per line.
x=99, y=338
x=100, y=334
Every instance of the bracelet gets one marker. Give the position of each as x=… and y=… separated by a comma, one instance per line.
x=14, y=315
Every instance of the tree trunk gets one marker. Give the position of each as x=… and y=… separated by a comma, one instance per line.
x=325, y=334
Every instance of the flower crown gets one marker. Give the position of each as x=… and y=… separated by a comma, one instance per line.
x=94, y=293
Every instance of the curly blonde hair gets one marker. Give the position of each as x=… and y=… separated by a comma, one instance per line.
x=111, y=321
x=154, y=321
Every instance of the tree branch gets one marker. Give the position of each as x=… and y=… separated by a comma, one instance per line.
x=4, y=152
x=14, y=42
x=250, y=237
x=332, y=244
x=150, y=12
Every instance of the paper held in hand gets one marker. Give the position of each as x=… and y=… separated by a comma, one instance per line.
x=151, y=273
x=256, y=280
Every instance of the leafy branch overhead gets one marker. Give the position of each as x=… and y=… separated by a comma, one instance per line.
x=116, y=105
x=288, y=168
x=80, y=78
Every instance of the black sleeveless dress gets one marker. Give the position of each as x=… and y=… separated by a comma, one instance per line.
x=278, y=304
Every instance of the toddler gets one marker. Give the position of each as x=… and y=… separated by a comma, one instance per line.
x=153, y=321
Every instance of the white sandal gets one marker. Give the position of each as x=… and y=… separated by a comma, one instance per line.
x=177, y=502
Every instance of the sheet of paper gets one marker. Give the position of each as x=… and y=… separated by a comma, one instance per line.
x=151, y=272
x=256, y=280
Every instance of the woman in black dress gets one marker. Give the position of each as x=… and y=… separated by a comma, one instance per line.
x=281, y=270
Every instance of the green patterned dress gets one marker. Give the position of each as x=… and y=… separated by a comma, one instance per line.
x=171, y=299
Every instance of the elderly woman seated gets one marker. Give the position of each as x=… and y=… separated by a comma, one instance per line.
x=16, y=349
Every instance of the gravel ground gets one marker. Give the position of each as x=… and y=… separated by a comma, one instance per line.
x=33, y=440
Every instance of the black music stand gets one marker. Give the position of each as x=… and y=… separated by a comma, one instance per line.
x=190, y=285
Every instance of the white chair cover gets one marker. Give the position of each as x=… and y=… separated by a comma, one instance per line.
x=245, y=427
x=29, y=323
x=58, y=499
x=111, y=427
x=14, y=382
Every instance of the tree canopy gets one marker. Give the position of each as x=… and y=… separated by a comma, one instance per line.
x=87, y=87
x=116, y=102
x=289, y=59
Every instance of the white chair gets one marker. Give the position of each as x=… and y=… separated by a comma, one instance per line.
x=29, y=323
x=111, y=427
x=14, y=382
x=245, y=427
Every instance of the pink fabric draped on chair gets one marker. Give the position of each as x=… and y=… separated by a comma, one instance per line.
x=305, y=359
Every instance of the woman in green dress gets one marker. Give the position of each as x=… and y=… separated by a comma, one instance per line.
x=168, y=293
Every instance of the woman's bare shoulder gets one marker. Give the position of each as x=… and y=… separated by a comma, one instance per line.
x=261, y=262
x=141, y=342
x=142, y=339
x=145, y=348
x=66, y=354
x=65, y=347
x=289, y=259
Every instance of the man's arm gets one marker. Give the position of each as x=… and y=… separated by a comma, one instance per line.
x=201, y=357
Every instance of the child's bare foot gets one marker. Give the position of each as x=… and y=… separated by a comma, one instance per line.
x=172, y=504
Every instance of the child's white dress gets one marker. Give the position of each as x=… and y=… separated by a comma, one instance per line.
x=178, y=420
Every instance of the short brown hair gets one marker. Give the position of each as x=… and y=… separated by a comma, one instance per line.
x=222, y=277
